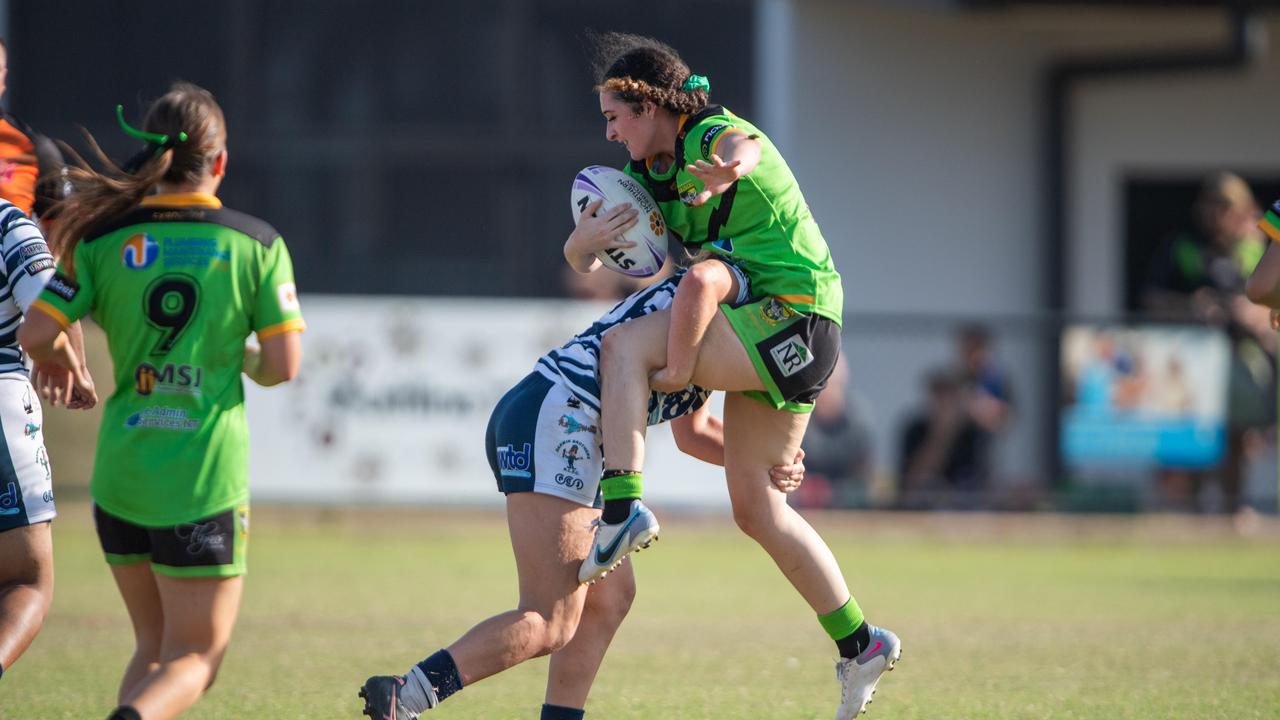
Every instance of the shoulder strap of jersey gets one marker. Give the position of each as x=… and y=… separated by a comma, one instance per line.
x=249, y=225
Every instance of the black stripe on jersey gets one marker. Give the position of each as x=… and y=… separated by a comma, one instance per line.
x=242, y=223
x=12, y=217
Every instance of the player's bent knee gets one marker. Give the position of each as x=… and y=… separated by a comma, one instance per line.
x=615, y=597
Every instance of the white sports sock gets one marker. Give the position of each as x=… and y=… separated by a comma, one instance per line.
x=417, y=695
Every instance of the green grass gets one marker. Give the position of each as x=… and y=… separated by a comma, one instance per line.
x=999, y=617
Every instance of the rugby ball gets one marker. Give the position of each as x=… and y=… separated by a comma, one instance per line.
x=649, y=234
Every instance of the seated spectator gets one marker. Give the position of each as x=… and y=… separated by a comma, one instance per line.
x=944, y=450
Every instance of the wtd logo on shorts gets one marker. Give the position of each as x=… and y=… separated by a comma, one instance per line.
x=9, y=501
x=515, y=463
x=139, y=251
x=791, y=355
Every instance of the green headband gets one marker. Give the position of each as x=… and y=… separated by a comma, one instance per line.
x=696, y=82
x=160, y=140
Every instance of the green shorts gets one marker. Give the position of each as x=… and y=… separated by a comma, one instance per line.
x=794, y=353
x=215, y=546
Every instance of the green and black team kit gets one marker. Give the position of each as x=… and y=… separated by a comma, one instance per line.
x=763, y=225
x=177, y=284
x=1270, y=223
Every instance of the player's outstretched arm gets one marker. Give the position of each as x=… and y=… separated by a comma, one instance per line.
x=738, y=155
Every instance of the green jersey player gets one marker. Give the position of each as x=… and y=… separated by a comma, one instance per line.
x=177, y=282
x=725, y=190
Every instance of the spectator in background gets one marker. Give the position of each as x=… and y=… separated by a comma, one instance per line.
x=1200, y=276
x=944, y=450
x=988, y=392
x=837, y=448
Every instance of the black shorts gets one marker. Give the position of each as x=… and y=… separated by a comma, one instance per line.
x=794, y=353
x=211, y=547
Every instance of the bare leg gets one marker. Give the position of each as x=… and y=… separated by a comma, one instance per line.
x=550, y=537
x=757, y=437
x=199, y=615
x=26, y=587
x=573, y=669
x=629, y=352
x=142, y=599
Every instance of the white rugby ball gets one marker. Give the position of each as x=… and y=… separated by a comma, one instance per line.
x=649, y=234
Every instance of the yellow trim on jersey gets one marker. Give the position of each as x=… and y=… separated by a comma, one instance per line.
x=295, y=325
x=796, y=299
x=1272, y=231
x=190, y=199
x=716, y=143
x=52, y=312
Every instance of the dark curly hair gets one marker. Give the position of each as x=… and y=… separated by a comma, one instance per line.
x=637, y=69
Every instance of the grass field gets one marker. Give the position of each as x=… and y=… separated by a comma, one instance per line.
x=1001, y=617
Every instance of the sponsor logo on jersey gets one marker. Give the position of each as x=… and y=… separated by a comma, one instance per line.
x=287, y=295
x=39, y=265
x=574, y=403
x=163, y=418
x=26, y=400
x=63, y=286
x=42, y=457
x=9, y=500
x=776, y=311
x=31, y=430
x=571, y=451
x=139, y=252
x=572, y=425
x=688, y=192
x=170, y=378
x=194, y=252
x=35, y=248
x=709, y=137
x=515, y=463
x=791, y=355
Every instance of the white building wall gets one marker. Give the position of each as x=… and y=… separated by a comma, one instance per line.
x=916, y=134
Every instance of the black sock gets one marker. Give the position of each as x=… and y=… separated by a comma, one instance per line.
x=559, y=712
x=124, y=712
x=442, y=673
x=852, y=645
x=1, y=671
x=616, y=511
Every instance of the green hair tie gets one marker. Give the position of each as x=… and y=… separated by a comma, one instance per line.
x=696, y=82
x=160, y=140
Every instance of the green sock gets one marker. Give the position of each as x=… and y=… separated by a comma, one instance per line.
x=619, y=488
x=841, y=623
x=622, y=486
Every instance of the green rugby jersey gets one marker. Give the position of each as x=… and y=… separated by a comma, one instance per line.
x=1271, y=222
x=761, y=223
x=177, y=283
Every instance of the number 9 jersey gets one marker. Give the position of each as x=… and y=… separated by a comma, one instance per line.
x=177, y=283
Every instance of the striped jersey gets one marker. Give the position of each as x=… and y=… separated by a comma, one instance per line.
x=28, y=265
x=576, y=364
